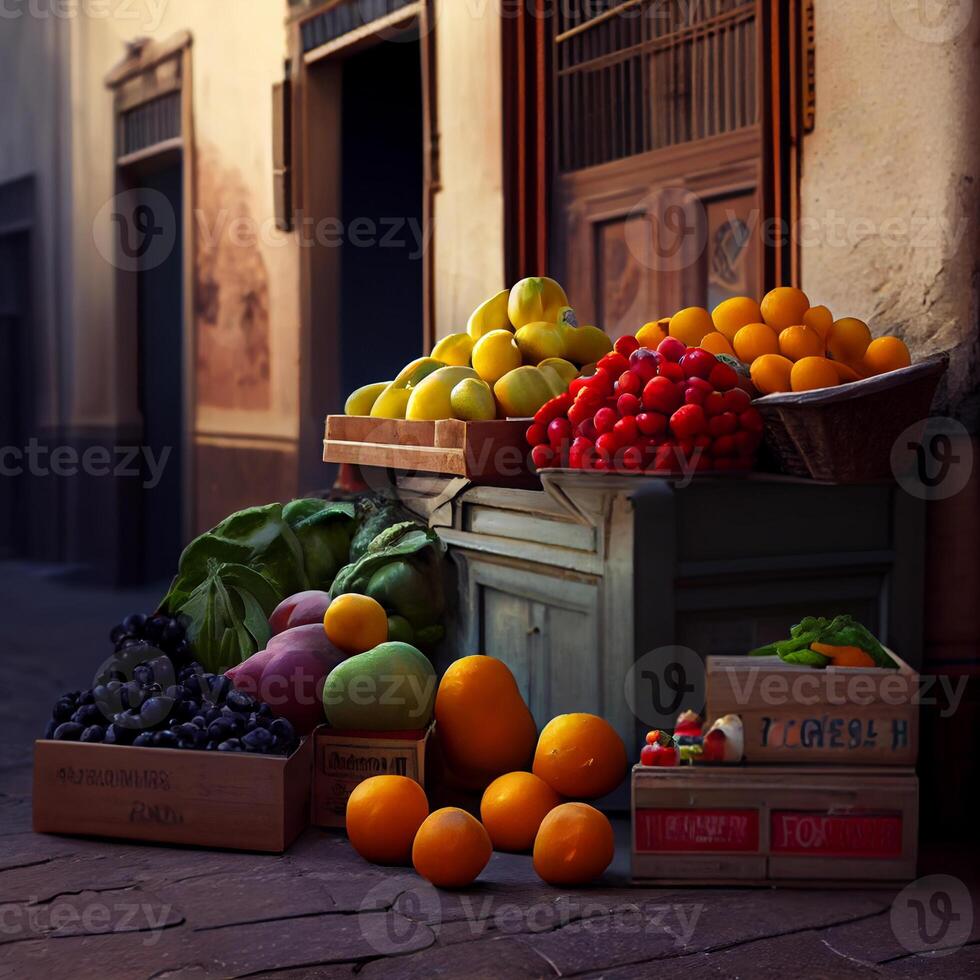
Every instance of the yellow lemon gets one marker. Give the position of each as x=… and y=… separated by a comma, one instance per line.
x=566, y=369
x=454, y=350
x=473, y=401
x=431, y=398
x=536, y=300
x=489, y=315
x=539, y=341
x=584, y=345
x=521, y=392
x=361, y=402
x=494, y=354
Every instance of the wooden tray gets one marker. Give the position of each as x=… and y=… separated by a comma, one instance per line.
x=801, y=715
x=484, y=452
x=769, y=825
x=233, y=800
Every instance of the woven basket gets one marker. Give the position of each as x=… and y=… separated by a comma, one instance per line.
x=846, y=434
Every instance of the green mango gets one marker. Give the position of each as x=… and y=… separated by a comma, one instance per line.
x=387, y=689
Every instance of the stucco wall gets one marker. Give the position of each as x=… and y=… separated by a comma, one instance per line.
x=891, y=174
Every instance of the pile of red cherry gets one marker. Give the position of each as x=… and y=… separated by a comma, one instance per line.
x=670, y=410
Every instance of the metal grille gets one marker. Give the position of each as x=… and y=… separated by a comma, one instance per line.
x=345, y=17
x=640, y=75
x=150, y=123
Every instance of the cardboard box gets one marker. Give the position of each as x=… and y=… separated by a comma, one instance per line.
x=768, y=825
x=344, y=759
x=231, y=800
x=796, y=715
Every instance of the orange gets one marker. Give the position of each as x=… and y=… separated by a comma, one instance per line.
x=732, y=314
x=754, y=340
x=784, y=306
x=485, y=728
x=383, y=815
x=811, y=373
x=845, y=373
x=451, y=848
x=650, y=334
x=690, y=325
x=717, y=343
x=771, y=373
x=797, y=342
x=848, y=340
x=819, y=318
x=886, y=354
x=574, y=845
x=355, y=623
x=580, y=755
x=513, y=807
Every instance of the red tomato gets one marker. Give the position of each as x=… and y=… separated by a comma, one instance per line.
x=626, y=345
x=688, y=421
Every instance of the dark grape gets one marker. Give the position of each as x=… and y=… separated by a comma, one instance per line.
x=264, y=710
x=221, y=729
x=165, y=739
x=199, y=721
x=69, y=731
x=88, y=714
x=238, y=701
x=218, y=687
x=258, y=740
x=231, y=745
x=172, y=633
x=255, y=720
x=117, y=634
x=63, y=710
x=155, y=710
x=144, y=738
x=94, y=733
x=86, y=697
x=117, y=734
x=143, y=674
x=283, y=730
x=49, y=731
x=134, y=624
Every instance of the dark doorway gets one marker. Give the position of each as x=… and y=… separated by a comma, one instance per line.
x=382, y=264
x=159, y=306
x=14, y=387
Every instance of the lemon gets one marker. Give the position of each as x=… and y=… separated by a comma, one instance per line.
x=556, y=382
x=473, y=401
x=539, y=341
x=494, y=354
x=431, y=398
x=583, y=345
x=566, y=369
x=361, y=402
x=454, y=350
x=489, y=315
x=536, y=300
x=521, y=392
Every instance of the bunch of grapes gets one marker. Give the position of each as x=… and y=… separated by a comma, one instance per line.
x=161, y=632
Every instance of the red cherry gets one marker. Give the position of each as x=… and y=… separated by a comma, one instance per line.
x=723, y=376
x=626, y=430
x=559, y=431
x=632, y=457
x=600, y=463
x=651, y=423
x=723, y=425
x=698, y=363
x=737, y=400
x=543, y=456
x=579, y=412
x=671, y=348
x=576, y=385
x=536, y=434
x=688, y=421
x=604, y=420
x=671, y=371
x=613, y=364
x=694, y=396
x=581, y=452
x=628, y=405
x=645, y=363
x=626, y=345
x=661, y=395
x=629, y=383
x=587, y=429
x=606, y=445
x=714, y=403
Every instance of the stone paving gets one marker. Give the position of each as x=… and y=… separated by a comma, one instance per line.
x=88, y=908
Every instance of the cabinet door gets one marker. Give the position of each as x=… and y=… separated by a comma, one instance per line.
x=545, y=628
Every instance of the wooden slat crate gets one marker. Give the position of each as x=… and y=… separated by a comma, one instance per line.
x=767, y=825
x=344, y=759
x=484, y=452
x=793, y=714
x=235, y=800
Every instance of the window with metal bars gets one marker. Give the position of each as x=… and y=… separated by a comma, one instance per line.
x=150, y=123
x=343, y=18
x=638, y=75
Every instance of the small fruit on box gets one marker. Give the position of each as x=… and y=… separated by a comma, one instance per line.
x=355, y=623
x=473, y=401
x=585, y=345
x=494, y=354
x=490, y=315
x=848, y=340
x=521, y=392
x=690, y=325
x=539, y=341
x=580, y=755
x=886, y=354
x=660, y=755
x=783, y=307
x=431, y=398
x=451, y=848
x=574, y=845
x=730, y=315
x=361, y=401
x=811, y=373
x=536, y=300
x=383, y=816
x=513, y=807
x=454, y=350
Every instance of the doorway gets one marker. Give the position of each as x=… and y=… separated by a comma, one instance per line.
x=160, y=386
x=381, y=201
x=14, y=388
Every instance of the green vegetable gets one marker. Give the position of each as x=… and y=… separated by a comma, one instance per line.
x=374, y=515
x=323, y=529
x=402, y=569
x=841, y=631
x=228, y=615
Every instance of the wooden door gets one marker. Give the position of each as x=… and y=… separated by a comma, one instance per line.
x=659, y=156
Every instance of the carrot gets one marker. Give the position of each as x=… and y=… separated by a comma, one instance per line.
x=843, y=656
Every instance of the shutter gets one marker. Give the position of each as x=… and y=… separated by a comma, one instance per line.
x=282, y=189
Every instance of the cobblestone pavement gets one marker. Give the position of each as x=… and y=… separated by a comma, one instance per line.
x=88, y=908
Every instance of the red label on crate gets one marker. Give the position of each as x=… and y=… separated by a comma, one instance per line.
x=869, y=835
x=697, y=830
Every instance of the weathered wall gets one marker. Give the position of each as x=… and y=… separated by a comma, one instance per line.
x=469, y=209
x=891, y=174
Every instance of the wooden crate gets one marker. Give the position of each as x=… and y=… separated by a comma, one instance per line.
x=768, y=825
x=239, y=801
x=484, y=452
x=344, y=759
x=793, y=714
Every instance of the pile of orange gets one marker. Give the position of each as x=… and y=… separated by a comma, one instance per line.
x=787, y=344
x=487, y=734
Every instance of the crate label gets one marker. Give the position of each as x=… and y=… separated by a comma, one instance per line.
x=870, y=835
x=154, y=780
x=697, y=830
x=836, y=733
x=341, y=767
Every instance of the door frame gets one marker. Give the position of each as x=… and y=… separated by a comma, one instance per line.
x=147, y=73
x=315, y=105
